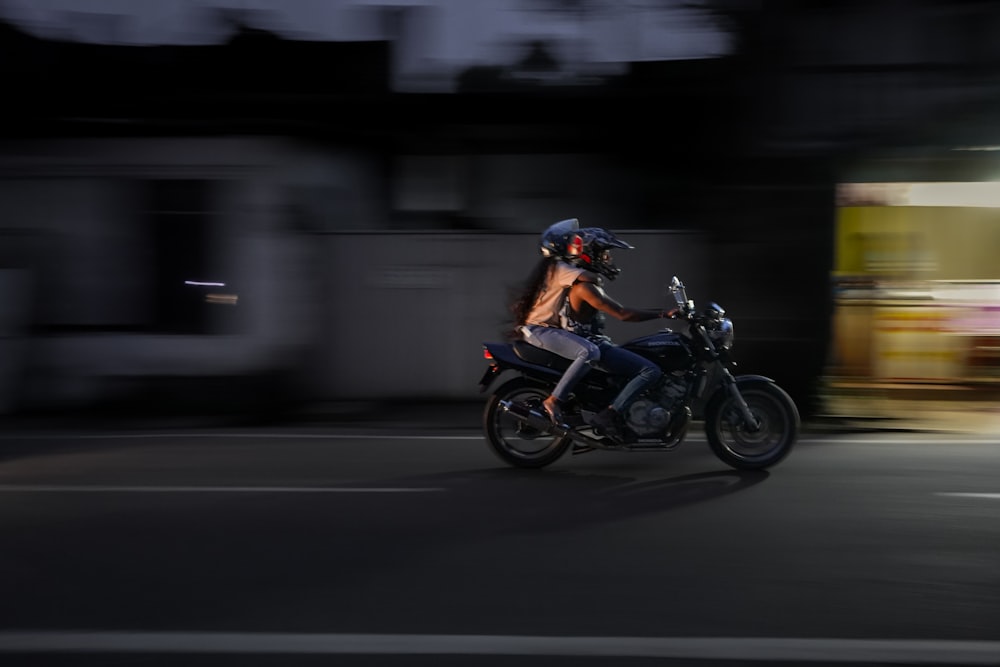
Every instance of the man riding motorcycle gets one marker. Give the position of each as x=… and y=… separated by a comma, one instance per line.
x=561, y=309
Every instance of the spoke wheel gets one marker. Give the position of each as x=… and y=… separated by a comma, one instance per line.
x=516, y=443
x=746, y=448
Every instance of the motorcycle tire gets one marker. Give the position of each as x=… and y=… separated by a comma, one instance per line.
x=513, y=441
x=747, y=449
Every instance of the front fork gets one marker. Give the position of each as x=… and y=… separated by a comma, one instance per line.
x=749, y=420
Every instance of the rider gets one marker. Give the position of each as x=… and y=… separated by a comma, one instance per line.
x=561, y=310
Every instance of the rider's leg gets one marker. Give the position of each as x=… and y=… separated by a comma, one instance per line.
x=643, y=372
x=569, y=345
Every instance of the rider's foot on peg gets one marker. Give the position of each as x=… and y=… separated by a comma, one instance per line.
x=605, y=423
x=551, y=407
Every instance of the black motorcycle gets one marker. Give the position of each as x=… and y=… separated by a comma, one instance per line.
x=751, y=423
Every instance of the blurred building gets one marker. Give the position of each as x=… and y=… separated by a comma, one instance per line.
x=275, y=217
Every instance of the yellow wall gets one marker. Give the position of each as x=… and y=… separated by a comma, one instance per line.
x=924, y=242
x=889, y=326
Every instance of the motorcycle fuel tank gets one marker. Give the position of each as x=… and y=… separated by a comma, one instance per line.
x=670, y=350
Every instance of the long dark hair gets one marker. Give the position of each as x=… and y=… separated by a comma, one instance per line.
x=522, y=296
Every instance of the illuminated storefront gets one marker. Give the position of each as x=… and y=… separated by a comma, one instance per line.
x=917, y=283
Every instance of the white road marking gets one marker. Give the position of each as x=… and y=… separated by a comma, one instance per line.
x=92, y=488
x=698, y=437
x=74, y=488
x=913, y=651
x=255, y=436
x=895, y=440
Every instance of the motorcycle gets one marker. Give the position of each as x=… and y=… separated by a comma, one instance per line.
x=750, y=422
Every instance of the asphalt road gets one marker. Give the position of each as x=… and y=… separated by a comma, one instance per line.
x=363, y=545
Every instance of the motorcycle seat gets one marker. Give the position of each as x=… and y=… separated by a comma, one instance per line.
x=539, y=357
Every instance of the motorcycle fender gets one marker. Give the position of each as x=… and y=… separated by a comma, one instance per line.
x=753, y=378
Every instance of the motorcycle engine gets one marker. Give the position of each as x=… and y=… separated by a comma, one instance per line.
x=650, y=415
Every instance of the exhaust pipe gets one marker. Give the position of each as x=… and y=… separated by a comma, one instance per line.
x=540, y=421
x=533, y=418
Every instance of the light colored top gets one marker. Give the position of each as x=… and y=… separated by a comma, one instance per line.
x=549, y=305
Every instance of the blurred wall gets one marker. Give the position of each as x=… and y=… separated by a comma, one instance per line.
x=116, y=234
x=407, y=313
x=235, y=272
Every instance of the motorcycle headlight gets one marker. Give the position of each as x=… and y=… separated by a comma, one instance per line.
x=714, y=312
x=722, y=334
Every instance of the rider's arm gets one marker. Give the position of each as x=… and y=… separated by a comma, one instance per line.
x=595, y=295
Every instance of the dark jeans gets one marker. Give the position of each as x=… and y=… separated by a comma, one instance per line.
x=619, y=361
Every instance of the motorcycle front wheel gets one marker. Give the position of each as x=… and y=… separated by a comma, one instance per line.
x=743, y=447
x=515, y=442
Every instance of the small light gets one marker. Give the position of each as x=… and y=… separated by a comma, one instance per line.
x=977, y=148
x=486, y=354
x=229, y=299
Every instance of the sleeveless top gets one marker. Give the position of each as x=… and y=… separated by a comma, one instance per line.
x=550, y=303
x=552, y=307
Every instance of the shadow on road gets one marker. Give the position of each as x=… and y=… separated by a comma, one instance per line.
x=515, y=501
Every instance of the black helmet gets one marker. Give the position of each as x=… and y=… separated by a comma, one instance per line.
x=590, y=248
x=555, y=238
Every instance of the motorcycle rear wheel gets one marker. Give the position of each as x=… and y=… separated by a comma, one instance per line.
x=747, y=449
x=514, y=442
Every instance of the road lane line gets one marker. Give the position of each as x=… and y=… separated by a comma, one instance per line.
x=995, y=496
x=698, y=437
x=910, y=651
x=896, y=440
x=254, y=436
x=87, y=488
